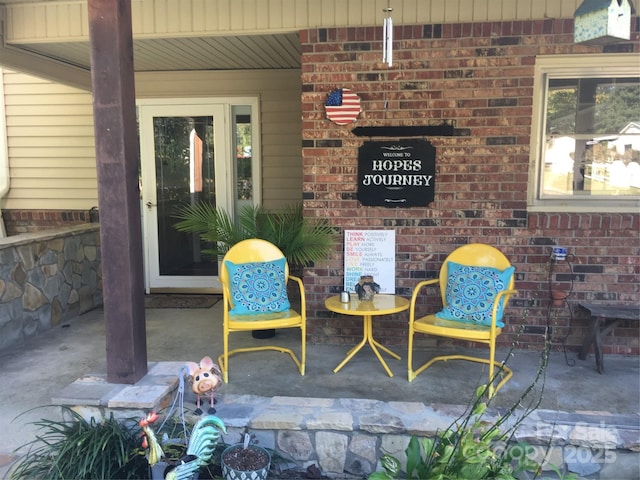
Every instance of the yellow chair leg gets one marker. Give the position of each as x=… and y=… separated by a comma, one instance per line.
x=411, y=375
x=505, y=372
x=303, y=351
x=223, y=362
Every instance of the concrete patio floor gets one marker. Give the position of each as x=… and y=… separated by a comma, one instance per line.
x=34, y=373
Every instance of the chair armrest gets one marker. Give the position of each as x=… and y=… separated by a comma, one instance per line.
x=298, y=280
x=303, y=302
x=502, y=295
x=416, y=291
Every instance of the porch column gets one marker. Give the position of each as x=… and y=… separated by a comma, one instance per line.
x=114, y=114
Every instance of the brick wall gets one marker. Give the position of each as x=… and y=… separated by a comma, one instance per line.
x=479, y=77
x=25, y=221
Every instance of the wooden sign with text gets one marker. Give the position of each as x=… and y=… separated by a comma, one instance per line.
x=397, y=174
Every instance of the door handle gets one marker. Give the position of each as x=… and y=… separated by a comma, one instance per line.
x=151, y=205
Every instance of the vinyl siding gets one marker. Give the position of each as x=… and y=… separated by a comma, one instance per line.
x=52, y=150
x=282, y=149
x=50, y=145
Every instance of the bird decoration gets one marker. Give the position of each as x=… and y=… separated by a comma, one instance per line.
x=202, y=444
x=205, y=379
x=149, y=441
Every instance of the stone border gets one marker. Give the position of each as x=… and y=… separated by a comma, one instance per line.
x=347, y=436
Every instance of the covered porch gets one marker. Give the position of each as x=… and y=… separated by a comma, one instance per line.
x=360, y=408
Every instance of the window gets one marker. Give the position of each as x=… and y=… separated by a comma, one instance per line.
x=242, y=138
x=586, y=134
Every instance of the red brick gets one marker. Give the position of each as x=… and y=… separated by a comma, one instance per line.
x=444, y=79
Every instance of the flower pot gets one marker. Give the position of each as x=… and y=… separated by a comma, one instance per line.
x=160, y=469
x=239, y=463
x=558, y=297
x=157, y=470
x=262, y=334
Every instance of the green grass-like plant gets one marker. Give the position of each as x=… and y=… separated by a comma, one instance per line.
x=75, y=448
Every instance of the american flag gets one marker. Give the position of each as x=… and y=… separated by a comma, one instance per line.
x=342, y=106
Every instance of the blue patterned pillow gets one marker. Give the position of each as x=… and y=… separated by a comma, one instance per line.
x=258, y=287
x=470, y=293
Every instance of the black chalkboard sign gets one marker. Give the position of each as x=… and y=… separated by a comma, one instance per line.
x=397, y=174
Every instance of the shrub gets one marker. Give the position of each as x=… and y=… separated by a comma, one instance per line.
x=77, y=448
x=473, y=448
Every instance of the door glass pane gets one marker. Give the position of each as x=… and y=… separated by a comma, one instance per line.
x=184, y=162
x=243, y=166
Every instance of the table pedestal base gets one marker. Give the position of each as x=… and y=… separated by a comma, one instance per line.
x=368, y=338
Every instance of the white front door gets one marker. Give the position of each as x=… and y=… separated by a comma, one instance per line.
x=186, y=157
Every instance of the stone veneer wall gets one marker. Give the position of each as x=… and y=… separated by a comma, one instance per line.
x=47, y=277
x=347, y=435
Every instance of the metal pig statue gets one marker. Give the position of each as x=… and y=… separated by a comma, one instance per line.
x=205, y=380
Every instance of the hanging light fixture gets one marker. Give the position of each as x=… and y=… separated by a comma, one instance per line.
x=387, y=35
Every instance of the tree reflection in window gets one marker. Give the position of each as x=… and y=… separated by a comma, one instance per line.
x=592, y=137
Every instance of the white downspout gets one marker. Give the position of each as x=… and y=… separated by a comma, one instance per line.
x=5, y=181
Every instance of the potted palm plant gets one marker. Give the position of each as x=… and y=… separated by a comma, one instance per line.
x=303, y=241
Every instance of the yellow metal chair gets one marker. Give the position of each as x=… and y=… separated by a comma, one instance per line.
x=257, y=253
x=475, y=255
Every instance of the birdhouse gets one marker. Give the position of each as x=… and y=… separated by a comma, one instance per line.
x=598, y=22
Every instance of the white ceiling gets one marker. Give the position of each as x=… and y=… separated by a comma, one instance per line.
x=279, y=51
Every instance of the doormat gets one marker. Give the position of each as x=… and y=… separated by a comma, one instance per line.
x=177, y=300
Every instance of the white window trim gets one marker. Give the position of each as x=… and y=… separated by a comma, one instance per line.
x=571, y=66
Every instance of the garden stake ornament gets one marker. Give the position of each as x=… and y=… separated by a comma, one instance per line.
x=205, y=379
x=201, y=446
x=149, y=440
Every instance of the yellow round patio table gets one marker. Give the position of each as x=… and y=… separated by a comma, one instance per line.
x=382, y=304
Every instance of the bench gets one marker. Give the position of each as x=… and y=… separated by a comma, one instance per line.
x=604, y=318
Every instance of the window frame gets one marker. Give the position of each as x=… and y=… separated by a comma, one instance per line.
x=572, y=66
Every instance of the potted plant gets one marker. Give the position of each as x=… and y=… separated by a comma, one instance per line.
x=245, y=460
x=558, y=297
x=301, y=240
